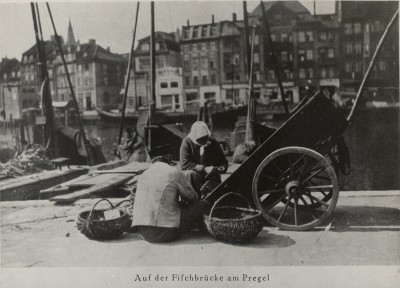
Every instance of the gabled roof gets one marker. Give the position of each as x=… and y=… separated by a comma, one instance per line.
x=167, y=38
x=92, y=51
x=294, y=6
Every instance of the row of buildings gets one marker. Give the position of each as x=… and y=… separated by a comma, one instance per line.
x=207, y=62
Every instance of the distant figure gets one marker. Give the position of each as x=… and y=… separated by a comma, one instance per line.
x=201, y=157
x=157, y=212
x=132, y=147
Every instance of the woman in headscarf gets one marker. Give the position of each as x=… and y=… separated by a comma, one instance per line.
x=201, y=156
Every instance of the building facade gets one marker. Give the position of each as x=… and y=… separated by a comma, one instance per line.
x=96, y=74
x=363, y=25
x=11, y=102
x=169, y=93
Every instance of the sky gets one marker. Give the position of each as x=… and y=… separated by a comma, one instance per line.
x=112, y=23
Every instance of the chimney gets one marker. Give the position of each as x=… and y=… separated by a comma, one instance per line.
x=212, y=19
x=234, y=17
x=188, y=23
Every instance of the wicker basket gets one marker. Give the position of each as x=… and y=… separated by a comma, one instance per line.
x=233, y=224
x=92, y=223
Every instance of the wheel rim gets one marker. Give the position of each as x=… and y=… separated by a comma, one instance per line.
x=296, y=188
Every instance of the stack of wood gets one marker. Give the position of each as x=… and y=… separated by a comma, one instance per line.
x=31, y=160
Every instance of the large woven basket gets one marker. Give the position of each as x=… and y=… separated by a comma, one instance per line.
x=93, y=225
x=233, y=224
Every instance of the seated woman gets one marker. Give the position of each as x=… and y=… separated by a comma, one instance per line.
x=201, y=157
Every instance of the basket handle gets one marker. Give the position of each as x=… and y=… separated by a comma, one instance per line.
x=119, y=203
x=112, y=206
x=226, y=195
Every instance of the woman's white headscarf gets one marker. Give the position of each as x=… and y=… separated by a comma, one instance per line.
x=199, y=129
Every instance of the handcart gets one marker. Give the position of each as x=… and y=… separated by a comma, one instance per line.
x=292, y=177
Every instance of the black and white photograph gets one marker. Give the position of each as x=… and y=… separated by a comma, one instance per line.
x=199, y=143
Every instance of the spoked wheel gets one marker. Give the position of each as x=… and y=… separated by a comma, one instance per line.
x=296, y=188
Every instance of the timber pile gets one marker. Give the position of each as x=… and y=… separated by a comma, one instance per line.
x=31, y=160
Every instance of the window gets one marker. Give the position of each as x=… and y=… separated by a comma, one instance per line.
x=185, y=49
x=187, y=81
x=204, y=63
x=331, y=72
x=310, y=54
x=357, y=28
x=194, y=46
x=164, y=85
x=301, y=37
x=271, y=75
x=310, y=73
x=331, y=53
x=236, y=59
x=273, y=38
x=227, y=59
x=144, y=63
x=284, y=56
x=256, y=58
x=199, y=47
x=213, y=30
x=87, y=67
x=186, y=65
x=79, y=81
x=195, y=80
x=213, y=79
x=256, y=39
x=174, y=85
x=366, y=27
x=357, y=48
x=322, y=54
x=145, y=47
x=286, y=73
x=195, y=64
x=323, y=36
x=348, y=48
x=157, y=46
x=212, y=61
x=204, y=80
x=302, y=73
x=203, y=47
x=348, y=29
x=79, y=68
x=204, y=31
x=195, y=32
x=323, y=72
x=212, y=46
x=302, y=55
x=348, y=67
x=186, y=32
x=309, y=36
x=284, y=37
x=377, y=26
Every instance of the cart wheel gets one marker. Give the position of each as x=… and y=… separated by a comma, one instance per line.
x=291, y=183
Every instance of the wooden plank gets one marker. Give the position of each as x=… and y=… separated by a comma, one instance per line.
x=116, y=172
x=100, y=179
x=114, y=181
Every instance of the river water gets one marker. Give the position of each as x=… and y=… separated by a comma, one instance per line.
x=373, y=140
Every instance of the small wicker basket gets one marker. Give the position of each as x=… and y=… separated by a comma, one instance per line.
x=233, y=224
x=92, y=223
